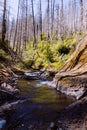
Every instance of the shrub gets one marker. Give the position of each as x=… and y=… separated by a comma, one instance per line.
x=39, y=63
x=44, y=36
x=48, y=53
x=3, y=55
x=62, y=49
x=30, y=63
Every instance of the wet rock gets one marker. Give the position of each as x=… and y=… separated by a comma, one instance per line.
x=36, y=75
x=32, y=75
x=45, y=75
x=8, y=88
x=7, y=91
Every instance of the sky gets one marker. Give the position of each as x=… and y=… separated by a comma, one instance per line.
x=13, y=4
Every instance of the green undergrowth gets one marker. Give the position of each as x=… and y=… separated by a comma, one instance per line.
x=4, y=57
x=50, y=55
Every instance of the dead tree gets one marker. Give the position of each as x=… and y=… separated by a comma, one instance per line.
x=40, y=20
x=62, y=20
x=57, y=26
x=14, y=42
x=52, y=17
x=81, y=14
x=34, y=30
x=48, y=19
x=4, y=23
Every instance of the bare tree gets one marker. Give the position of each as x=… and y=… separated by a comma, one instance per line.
x=15, y=35
x=4, y=23
x=62, y=20
x=48, y=18
x=81, y=14
x=34, y=30
x=40, y=20
x=52, y=16
x=57, y=19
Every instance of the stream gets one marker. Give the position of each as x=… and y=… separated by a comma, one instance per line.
x=41, y=108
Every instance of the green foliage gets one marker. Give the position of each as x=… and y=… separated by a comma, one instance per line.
x=62, y=49
x=44, y=36
x=48, y=53
x=3, y=55
x=29, y=63
x=39, y=63
x=6, y=43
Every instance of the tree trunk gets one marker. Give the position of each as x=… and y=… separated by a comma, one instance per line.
x=34, y=30
x=4, y=23
x=52, y=17
x=16, y=26
x=48, y=19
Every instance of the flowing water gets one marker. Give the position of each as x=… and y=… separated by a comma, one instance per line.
x=41, y=108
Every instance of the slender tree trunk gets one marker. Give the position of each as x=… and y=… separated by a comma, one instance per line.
x=8, y=24
x=74, y=9
x=16, y=26
x=4, y=23
x=11, y=30
x=48, y=18
x=81, y=15
x=40, y=20
x=34, y=30
x=20, y=39
x=62, y=20
x=57, y=28
x=26, y=23
x=52, y=17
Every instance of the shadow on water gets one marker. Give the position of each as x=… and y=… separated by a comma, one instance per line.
x=41, y=108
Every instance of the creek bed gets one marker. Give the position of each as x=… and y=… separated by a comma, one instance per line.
x=41, y=108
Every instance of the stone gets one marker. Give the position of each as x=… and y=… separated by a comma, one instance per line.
x=8, y=88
